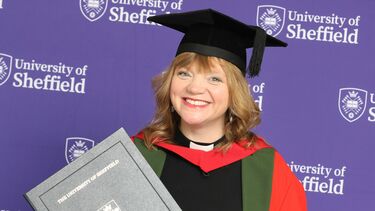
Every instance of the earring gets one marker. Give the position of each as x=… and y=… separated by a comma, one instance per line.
x=230, y=116
x=172, y=109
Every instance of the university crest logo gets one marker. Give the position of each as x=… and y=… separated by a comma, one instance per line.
x=110, y=206
x=5, y=67
x=76, y=146
x=93, y=9
x=352, y=103
x=271, y=18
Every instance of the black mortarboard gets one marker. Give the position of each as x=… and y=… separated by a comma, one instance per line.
x=212, y=33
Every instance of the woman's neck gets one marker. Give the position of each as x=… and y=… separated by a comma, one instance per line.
x=202, y=134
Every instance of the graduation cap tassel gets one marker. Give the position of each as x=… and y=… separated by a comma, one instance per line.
x=257, y=54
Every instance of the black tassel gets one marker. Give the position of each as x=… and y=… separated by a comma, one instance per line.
x=257, y=54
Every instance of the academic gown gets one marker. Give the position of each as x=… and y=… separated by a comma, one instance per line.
x=250, y=179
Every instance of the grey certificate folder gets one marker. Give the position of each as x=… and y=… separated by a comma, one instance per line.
x=112, y=176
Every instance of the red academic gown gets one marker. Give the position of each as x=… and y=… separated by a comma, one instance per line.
x=267, y=182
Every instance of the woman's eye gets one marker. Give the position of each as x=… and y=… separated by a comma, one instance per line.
x=183, y=74
x=215, y=79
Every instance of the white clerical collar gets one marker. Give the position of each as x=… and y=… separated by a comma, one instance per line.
x=205, y=148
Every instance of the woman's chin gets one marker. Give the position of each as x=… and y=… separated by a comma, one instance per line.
x=193, y=122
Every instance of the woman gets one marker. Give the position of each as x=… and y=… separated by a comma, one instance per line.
x=199, y=142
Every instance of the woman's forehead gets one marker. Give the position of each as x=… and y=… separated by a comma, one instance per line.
x=205, y=65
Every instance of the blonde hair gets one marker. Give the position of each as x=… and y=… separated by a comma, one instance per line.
x=243, y=113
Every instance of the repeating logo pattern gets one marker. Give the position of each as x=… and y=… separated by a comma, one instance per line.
x=5, y=67
x=77, y=146
x=93, y=9
x=352, y=103
x=110, y=206
x=271, y=18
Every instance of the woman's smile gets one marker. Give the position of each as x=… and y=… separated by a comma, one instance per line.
x=193, y=103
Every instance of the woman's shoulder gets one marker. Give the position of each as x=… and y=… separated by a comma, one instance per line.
x=139, y=136
x=260, y=143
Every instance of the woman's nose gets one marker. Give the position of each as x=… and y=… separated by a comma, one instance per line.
x=196, y=85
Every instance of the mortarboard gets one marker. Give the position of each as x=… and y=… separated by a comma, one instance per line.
x=212, y=33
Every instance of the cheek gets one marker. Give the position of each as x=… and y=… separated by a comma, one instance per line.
x=173, y=86
x=175, y=90
x=222, y=96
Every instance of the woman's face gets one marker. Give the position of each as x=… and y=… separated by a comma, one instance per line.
x=201, y=98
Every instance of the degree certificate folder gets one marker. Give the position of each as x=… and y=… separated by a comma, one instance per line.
x=112, y=176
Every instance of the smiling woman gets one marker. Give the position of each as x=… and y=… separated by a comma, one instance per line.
x=201, y=100
x=200, y=141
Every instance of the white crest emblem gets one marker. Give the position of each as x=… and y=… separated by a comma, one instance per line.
x=93, y=9
x=352, y=103
x=5, y=67
x=110, y=206
x=271, y=18
x=76, y=146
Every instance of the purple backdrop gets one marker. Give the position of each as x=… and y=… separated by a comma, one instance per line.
x=72, y=72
